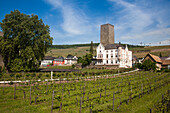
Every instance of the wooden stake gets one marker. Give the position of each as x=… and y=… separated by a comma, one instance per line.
x=113, y=100
x=52, y=102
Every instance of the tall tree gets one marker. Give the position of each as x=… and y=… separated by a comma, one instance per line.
x=160, y=55
x=91, y=47
x=25, y=41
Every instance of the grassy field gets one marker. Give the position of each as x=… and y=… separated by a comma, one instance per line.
x=137, y=51
x=133, y=93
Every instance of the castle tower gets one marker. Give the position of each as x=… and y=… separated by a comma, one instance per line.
x=107, y=34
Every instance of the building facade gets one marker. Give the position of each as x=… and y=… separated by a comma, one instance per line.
x=69, y=60
x=47, y=61
x=110, y=53
x=114, y=55
x=58, y=61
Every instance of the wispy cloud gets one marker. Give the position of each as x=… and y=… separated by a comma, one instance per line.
x=137, y=22
x=75, y=22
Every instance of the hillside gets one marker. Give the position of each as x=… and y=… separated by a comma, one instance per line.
x=82, y=49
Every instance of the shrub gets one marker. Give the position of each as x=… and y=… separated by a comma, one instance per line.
x=11, y=75
x=148, y=65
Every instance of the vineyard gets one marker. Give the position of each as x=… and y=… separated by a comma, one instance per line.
x=131, y=92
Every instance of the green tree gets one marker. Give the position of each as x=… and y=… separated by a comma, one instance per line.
x=85, y=60
x=148, y=65
x=160, y=55
x=91, y=47
x=25, y=41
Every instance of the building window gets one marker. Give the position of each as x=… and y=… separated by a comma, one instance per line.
x=107, y=62
x=106, y=51
x=111, y=56
x=111, y=61
x=107, y=56
x=116, y=61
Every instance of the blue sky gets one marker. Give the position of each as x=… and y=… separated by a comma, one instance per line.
x=78, y=21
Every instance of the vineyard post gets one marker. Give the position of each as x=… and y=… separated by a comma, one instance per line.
x=80, y=103
x=36, y=99
x=30, y=94
x=142, y=88
x=52, y=102
x=62, y=90
x=46, y=87
x=60, y=106
x=105, y=89
x=24, y=94
x=15, y=91
x=113, y=100
x=162, y=99
x=83, y=93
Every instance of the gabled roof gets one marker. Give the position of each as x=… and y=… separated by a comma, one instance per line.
x=155, y=58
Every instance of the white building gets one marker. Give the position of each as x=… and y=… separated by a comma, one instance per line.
x=46, y=61
x=114, y=54
x=69, y=60
x=109, y=53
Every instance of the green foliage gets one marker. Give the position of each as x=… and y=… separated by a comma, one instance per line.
x=160, y=55
x=138, y=65
x=85, y=60
x=25, y=41
x=148, y=65
x=73, y=66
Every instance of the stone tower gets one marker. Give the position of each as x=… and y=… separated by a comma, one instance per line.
x=107, y=34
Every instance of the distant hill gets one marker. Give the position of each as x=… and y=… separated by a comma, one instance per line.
x=81, y=49
x=84, y=45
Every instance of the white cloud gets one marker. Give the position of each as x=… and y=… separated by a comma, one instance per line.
x=132, y=17
x=139, y=23
x=75, y=21
x=164, y=32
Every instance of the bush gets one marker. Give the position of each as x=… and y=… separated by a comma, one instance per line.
x=148, y=65
x=73, y=66
x=12, y=75
x=27, y=75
